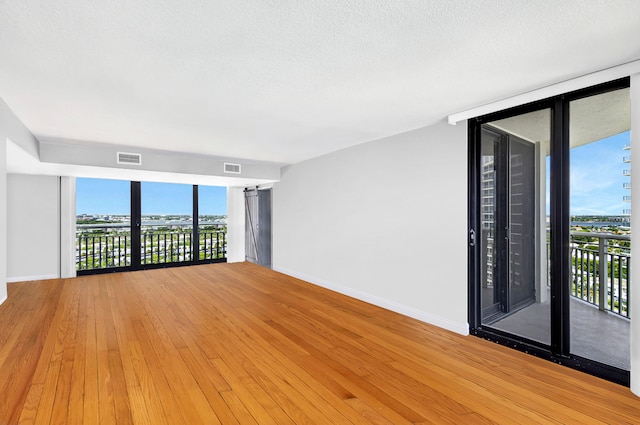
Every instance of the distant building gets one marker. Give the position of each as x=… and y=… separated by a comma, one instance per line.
x=627, y=185
x=487, y=202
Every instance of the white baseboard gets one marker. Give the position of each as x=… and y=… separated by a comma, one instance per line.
x=3, y=299
x=28, y=278
x=461, y=328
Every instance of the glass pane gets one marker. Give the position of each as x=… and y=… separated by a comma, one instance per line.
x=489, y=292
x=103, y=224
x=521, y=234
x=212, y=222
x=513, y=235
x=167, y=223
x=600, y=227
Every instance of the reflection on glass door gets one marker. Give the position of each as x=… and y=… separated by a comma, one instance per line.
x=514, y=291
x=600, y=227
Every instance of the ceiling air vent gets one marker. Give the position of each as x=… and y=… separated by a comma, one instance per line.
x=231, y=168
x=129, y=158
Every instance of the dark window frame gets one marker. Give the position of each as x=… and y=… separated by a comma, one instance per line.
x=559, y=350
x=136, y=222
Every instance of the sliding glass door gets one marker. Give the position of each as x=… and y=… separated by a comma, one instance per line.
x=600, y=156
x=550, y=264
x=511, y=296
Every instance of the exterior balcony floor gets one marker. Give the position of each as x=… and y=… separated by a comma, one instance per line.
x=596, y=335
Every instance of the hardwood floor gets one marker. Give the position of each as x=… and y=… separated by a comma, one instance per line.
x=239, y=344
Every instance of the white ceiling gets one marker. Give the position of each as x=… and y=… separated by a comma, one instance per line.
x=286, y=81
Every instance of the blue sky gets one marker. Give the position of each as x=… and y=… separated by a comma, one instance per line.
x=100, y=196
x=596, y=177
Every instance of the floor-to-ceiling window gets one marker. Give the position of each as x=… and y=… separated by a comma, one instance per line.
x=549, y=268
x=212, y=222
x=166, y=228
x=103, y=224
x=599, y=140
x=124, y=225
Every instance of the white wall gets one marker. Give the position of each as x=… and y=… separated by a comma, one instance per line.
x=67, y=227
x=10, y=128
x=635, y=236
x=185, y=164
x=235, y=224
x=33, y=237
x=3, y=215
x=384, y=222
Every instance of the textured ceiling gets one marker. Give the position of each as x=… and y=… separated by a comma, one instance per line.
x=285, y=81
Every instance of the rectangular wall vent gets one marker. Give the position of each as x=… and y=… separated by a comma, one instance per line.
x=129, y=158
x=231, y=168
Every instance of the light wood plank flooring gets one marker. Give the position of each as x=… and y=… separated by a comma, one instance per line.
x=239, y=344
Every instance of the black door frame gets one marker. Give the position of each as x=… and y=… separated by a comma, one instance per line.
x=559, y=349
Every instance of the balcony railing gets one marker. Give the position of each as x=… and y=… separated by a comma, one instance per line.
x=114, y=250
x=158, y=248
x=600, y=271
x=102, y=251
